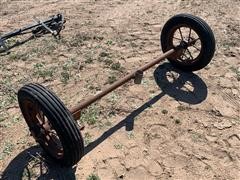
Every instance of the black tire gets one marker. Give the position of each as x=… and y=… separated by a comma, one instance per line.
x=62, y=140
x=202, y=30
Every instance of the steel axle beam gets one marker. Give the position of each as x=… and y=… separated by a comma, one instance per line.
x=76, y=110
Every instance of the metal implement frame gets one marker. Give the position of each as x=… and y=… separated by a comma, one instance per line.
x=55, y=21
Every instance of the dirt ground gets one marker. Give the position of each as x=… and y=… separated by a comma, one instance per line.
x=191, y=132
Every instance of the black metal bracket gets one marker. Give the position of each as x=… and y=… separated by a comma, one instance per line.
x=2, y=44
x=53, y=25
x=138, y=77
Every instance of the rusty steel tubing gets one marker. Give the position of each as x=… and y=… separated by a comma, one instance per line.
x=76, y=110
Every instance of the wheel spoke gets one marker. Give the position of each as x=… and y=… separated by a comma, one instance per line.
x=189, y=35
x=197, y=39
x=196, y=48
x=177, y=38
x=183, y=54
x=42, y=117
x=179, y=29
x=190, y=54
x=185, y=57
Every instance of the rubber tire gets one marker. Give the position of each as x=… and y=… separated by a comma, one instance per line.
x=60, y=119
x=204, y=32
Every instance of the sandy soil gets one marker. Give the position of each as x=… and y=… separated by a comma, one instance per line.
x=191, y=132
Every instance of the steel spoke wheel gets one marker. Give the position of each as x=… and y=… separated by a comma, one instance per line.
x=42, y=130
x=195, y=38
x=51, y=124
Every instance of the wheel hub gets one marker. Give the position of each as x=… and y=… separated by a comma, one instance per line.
x=184, y=44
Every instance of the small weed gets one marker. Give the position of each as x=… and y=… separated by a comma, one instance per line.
x=133, y=44
x=106, y=58
x=117, y=66
x=90, y=115
x=66, y=70
x=18, y=56
x=131, y=135
x=235, y=70
x=109, y=42
x=152, y=91
x=22, y=141
x=98, y=46
x=87, y=138
x=164, y=111
x=8, y=91
x=104, y=54
x=118, y=146
x=29, y=173
x=34, y=168
x=79, y=40
x=98, y=38
x=8, y=149
x=12, y=40
x=111, y=113
x=197, y=137
x=91, y=87
x=41, y=71
x=93, y=177
x=1, y=118
x=11, y=98
x=182, y=108
x=65, y=76
x=4, y=116
x=113, y=98
x=16, y=119
x=145, y=82
x=111, y=79
x=108, y=62
x=49, y=46
x=89, y=59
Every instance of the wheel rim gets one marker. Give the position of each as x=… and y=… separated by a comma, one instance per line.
x=41, y=129
x=189, y=40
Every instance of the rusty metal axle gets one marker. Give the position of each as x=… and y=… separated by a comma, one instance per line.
x=76, y=110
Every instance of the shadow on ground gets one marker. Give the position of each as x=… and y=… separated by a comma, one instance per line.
x=6, y=49
x=184, y=87
x=172, y=82
x=29, y=164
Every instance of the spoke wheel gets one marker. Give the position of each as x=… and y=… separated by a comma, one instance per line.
x=51, y=124
x=194, y=36
x=42, y=130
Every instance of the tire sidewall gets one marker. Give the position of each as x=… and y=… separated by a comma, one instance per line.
x=47, y=109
